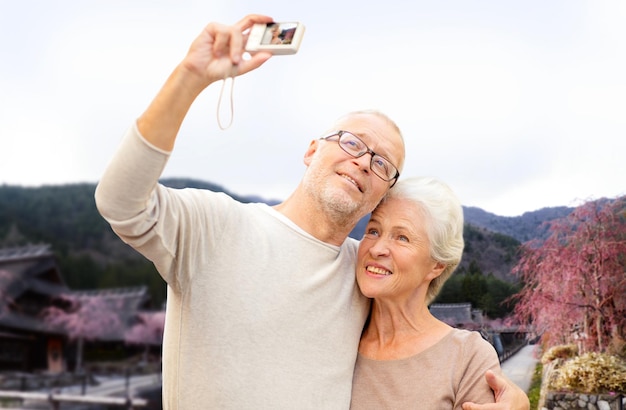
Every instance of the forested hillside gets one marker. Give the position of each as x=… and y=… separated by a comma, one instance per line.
x=91, y=256
x=523, y=228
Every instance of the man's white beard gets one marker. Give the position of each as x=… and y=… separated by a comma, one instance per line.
x=338, y=204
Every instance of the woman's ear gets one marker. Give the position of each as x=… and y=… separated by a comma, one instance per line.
x=437, y=270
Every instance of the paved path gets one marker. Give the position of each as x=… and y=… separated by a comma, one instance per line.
x=521, y=366
x=106, y=387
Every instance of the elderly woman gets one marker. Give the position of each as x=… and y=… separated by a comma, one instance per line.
x=408, y=359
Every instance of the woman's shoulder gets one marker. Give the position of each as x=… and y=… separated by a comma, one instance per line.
x=473, y=344
x=464, y=336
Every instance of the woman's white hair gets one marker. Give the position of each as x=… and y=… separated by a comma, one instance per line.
x=443, y=214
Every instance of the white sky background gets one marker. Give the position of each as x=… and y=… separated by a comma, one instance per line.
x=518, y=105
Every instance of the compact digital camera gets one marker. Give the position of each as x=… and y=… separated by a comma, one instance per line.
x=276, y=38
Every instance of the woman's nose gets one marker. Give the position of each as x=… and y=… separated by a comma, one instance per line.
x=380, y=248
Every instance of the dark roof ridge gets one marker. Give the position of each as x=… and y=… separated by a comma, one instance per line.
x=122, y=291
x=24, y=252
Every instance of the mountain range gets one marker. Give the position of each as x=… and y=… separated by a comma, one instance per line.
x=524, y=227
x=65, y=217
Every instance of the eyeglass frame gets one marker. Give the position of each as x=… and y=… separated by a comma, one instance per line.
x=368, y=150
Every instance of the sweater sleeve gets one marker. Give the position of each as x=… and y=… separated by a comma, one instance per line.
x=130, y=178
x=130, y=199
x=479, y=356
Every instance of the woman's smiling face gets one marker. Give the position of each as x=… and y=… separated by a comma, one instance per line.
x=394, y=255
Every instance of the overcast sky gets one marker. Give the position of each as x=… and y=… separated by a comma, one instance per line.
x=518, y=105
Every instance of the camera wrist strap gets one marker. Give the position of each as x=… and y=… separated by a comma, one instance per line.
x=219, y=103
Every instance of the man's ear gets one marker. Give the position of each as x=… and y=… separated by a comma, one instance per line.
x=310, y=152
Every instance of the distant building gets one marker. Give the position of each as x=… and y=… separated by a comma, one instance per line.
x=460, y=315
x=30, y=282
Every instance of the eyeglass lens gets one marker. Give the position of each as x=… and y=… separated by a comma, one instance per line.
x=354, y=146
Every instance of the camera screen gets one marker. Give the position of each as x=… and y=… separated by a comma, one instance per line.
x=279, y=33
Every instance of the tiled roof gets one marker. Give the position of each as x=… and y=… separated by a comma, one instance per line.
x=29, y=268
x=125, y=302
x=452, y=313
x=24, y=252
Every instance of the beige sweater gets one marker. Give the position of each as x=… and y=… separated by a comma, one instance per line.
x=260, y=314
x=442, y=377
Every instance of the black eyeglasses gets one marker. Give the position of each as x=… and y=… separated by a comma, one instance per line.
x=353, y=145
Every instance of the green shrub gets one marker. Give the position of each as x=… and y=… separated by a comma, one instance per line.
x=591, y=373
x=534, y=391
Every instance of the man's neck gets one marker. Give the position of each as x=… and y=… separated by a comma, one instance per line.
x=315, y=220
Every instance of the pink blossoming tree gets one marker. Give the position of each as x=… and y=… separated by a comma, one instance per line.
x=83, y=318
x=148, y=331
x=575, y=280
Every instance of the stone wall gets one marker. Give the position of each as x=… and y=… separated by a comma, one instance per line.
x=575, y=401
x=553, y=400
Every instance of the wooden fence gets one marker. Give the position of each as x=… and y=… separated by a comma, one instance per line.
x=55, y=400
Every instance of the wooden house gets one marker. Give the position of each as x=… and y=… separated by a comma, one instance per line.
x=29, y=280
x=30, y=284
